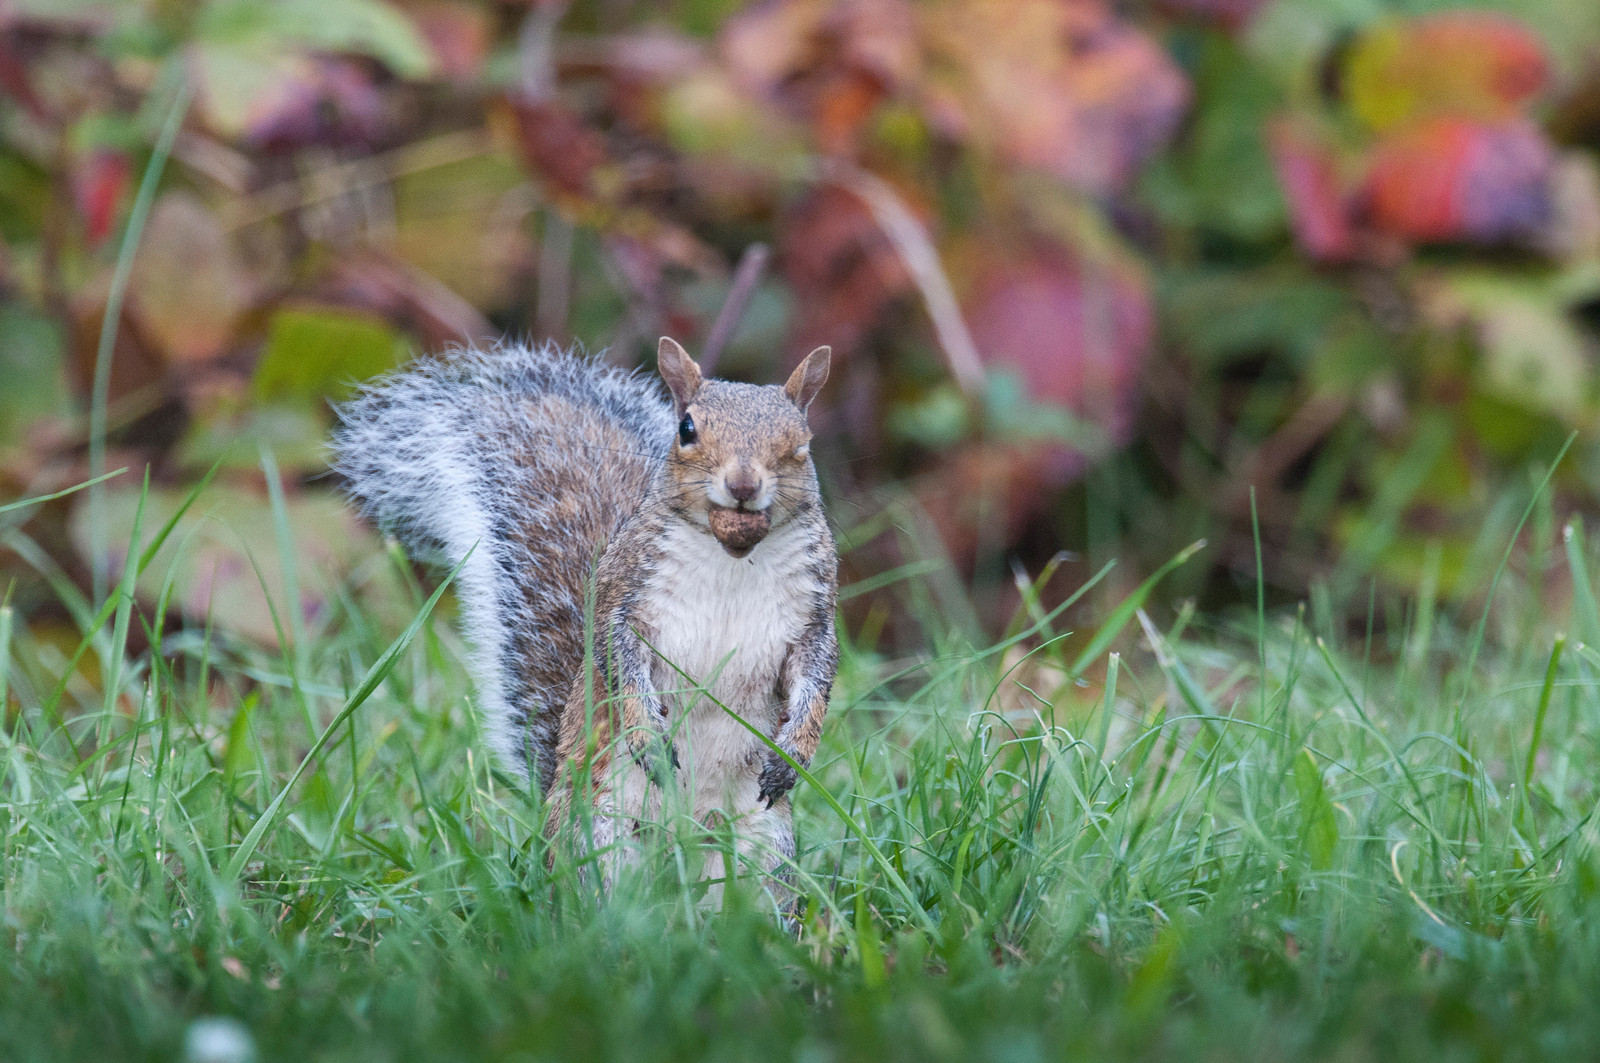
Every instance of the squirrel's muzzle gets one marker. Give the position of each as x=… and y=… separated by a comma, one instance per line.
x=739, y=530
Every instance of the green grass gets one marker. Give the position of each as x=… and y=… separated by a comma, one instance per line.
x=1242, y=837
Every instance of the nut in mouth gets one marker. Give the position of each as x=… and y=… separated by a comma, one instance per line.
x=739, y=530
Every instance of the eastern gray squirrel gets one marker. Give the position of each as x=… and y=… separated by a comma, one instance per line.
x=715, y=563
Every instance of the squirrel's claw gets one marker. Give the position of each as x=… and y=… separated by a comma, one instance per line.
x=777, y=778
x=659, y=763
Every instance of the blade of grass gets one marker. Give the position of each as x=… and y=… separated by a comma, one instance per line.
x=37, y=499
x=1544, y=708
x=1108, y=703
x=1582, y=585
x=1494, y=584
x=881, y=580
x=112, y=318
x=1123, y=613
x=369, y=683
x=111, y=664
x=1261, y=610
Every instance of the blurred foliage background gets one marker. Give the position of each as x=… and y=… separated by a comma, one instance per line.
x=1092, y=271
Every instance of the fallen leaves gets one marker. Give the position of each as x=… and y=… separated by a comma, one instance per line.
x=1454, y=179
x=187, y=262
x=1062, y=85
x=1464, y=64
x=1446, y=149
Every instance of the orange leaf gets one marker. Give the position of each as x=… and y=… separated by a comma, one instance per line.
x=1060, y=85
x=1470, y=64
x=828, y=62
x=1453, y=179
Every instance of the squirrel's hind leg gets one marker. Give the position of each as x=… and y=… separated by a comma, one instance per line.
x=763, y=850
x=602, y=830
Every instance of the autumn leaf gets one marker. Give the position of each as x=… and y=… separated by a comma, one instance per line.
x=1455, y=179
x=1064, y=337
x=99, y=185
x=1313, y=187
x=189, y=286
x=559, y=146
x=231, y=558
x=826, y=61
x=844, y=271
x=1060, y=85
x=1469, y=64
x=1075, y=331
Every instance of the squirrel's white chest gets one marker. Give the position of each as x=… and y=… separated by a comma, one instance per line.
x=727, y=622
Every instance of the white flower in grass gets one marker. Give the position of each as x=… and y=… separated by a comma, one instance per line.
x=218, y=1039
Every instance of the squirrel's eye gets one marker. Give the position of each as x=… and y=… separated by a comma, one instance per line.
x=686, y=432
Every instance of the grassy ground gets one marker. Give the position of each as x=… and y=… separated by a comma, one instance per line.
x=1250, y=837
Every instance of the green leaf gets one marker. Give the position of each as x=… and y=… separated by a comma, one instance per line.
x=1221, y=178
x=1319, y=826
x=1534, y=352
x=364, y=27
x=236, y=757
x=315, y=353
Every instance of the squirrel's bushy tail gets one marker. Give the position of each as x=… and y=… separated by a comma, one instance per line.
x=530, y=458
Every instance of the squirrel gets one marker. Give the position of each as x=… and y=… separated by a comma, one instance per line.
x=716, y=574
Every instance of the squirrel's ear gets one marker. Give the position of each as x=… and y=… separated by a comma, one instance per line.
x=679, y=371
x=808, y=377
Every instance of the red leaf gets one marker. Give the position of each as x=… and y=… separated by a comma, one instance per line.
x=98, y=186
x=558, y=146
x=16, y=80
x=843, y=270
x=1319, y=211
x=1453, y=179
x=828, y=61
x=1076, y=332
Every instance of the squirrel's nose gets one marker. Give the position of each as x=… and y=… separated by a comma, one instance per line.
x=743, y=485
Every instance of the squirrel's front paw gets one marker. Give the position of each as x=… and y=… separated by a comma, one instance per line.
x=657, y=756
x=777, y=777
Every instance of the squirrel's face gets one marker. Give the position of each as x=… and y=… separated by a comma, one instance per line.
x=741, y=461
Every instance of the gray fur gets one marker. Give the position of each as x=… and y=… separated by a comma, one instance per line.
x=452, y=454
x=566, y=474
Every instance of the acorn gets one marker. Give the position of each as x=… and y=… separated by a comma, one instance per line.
x=739, y=530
